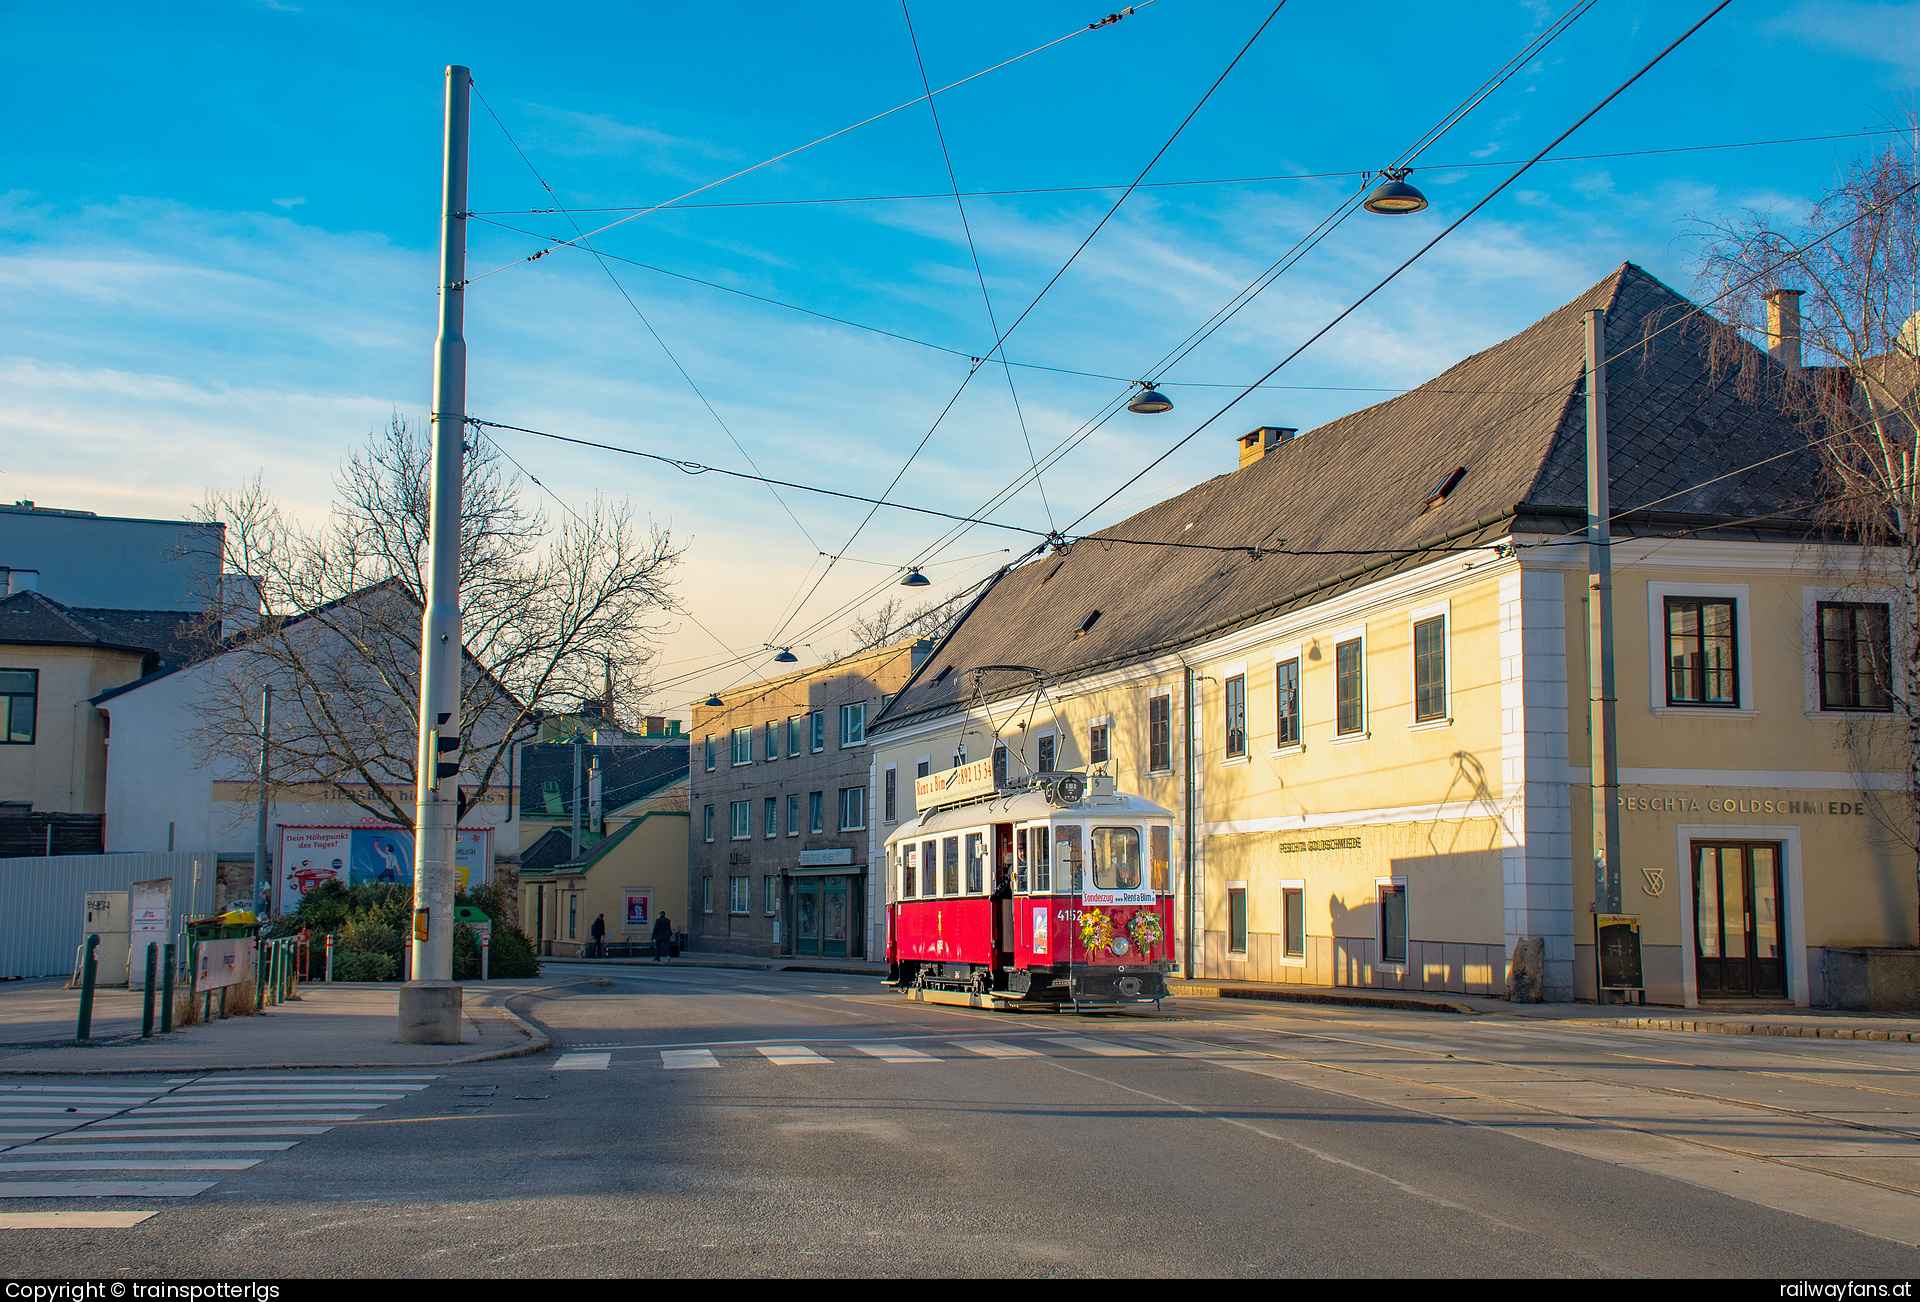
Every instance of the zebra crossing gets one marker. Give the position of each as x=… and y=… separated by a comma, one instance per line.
x=162, y=1141
x=925, y=1050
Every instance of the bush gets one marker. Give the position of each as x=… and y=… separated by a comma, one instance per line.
x=358, y=965
x=369, y=935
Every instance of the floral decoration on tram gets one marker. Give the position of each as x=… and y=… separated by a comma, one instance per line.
x=1145, y=930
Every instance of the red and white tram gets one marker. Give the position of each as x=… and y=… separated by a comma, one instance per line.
x=1056, y=893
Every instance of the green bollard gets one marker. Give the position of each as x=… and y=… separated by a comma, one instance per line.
x=223, y=1003
x=166, y=993
x=87, y=968
x=146, y=1000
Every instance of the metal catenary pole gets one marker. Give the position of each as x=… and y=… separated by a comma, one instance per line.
x=1604, y=760
x=260, y=825
x=434, y=1016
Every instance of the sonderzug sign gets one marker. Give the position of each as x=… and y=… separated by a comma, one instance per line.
x=952, y=785
x=1805, y=806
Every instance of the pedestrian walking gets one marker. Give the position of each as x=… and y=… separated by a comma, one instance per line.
x=599, y=932
x=662, y=933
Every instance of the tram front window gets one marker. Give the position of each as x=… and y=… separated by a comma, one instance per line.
x=1116, y=859
x=950, y=865
x=1042, y=861
x=1067, y=855
x=976, y=864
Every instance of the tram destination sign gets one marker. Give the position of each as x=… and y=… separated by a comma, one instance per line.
x=967, y=782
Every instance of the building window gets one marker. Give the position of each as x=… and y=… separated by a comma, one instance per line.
x=949, y=865
x=1393, y=922
x=1430, y=669
x=959, y=756
x=1236, y=701
x=1293, y=911
x=853, y=808
x=818, y=722
x=1856, y=662
x=738, y=814
x=573, y=916
x=773, y=741
x=999, y=767
x=1348, y=689
x=1097, y=744
x=922, y=767
x=1286, y=709
x=707, y=823
x=853, y=724
x=739, y=894
x=706, y=895
x=907, y=856
x=770, y=895
x=816, y=812
x=21, y=688
x=1237, y=918
x=1046, y=752
x=771, y=816
x=1160, y=734
x=793, y=735
x=1700, y=652
x=743, y=745
x=709, y=752
x=890, y=794
x=793, y=814
x=976, y=863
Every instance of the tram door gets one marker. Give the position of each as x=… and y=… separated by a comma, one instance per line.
x=1003, y=892
x=1739, y=928
x=823, y=918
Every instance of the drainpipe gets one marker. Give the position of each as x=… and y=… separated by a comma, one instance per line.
x=1186, y=817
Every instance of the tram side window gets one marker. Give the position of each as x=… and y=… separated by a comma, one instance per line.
x=1067, y=854
x=1159, y=843
x=1020, y=862
x=1042, y=861
x=1116, y=858
x=906, y=872
x=950, y=865
x=929, y=868
x=976, y=864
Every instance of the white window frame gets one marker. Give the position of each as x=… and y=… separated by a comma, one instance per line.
x=772, y=750
x=793, y=813
x=817, y=731
x=1380, y=923
x=847, y=713
x=770, y=817
x=707, y=824
x=706, y=893
x=1280, y=656
x=890, y=816
x=1357, y=633
x=918, y=761
x=740, y=828
x=1246, y=893
x=769, y=887
x=1420, y=615
x=1657, y=594
x=737, y=749
x=710, y=751
x=817, y=827
x=1246, y=705
x=745, y=904
x=845, y=826
x=1286, y=959
x=1810, y=599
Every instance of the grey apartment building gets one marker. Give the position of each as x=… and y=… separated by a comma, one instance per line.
x=784, y=800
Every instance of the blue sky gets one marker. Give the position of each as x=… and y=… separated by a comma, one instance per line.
x=218, y=238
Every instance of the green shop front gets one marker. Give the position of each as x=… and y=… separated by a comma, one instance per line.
x=824, y=913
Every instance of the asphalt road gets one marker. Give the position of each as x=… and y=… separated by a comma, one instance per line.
x=709, y=1122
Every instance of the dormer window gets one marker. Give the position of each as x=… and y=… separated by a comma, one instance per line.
x=1093, y=617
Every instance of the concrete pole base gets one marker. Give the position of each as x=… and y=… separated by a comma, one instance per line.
x=430, y=1012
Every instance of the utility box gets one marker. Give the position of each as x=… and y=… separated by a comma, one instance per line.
x=482, y=925
x=109, y=914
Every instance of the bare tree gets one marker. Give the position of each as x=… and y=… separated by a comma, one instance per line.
x=893, y=620
x=550, y=617
x=1855, y=258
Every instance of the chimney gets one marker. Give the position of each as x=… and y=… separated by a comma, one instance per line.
x=1783, y=328
x=922, y=648
x=656, y=726
x=1257, y=443
x=22, y=581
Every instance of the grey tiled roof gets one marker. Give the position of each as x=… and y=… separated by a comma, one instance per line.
x=1513, y=416
x=35, y=619
x=628, y=773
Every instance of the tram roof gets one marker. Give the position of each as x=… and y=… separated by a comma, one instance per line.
x=1024, y=807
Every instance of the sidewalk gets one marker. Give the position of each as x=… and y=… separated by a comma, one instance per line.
x=339, y=1025
x=1807, y=1023
x=738, y=963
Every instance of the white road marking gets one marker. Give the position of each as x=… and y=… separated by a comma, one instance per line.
x=994, y=1049
x=25, y=1112
x=893, y=1053
x=162, y=1148
x=161, y=1132
x=684, y=1059
x=106, y=1188
x=228, y=1100
x=583, y=1062
x=140, y=1090
x=72, y=1220
x=283, y=1078
x=237, y=1120
x=790, y=1055
x=186, y=1111
x=1104, y=1048
x=128, y=1164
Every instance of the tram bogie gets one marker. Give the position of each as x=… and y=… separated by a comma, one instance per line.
x=1050, y=895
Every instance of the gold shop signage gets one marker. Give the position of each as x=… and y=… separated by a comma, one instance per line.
x=1807, y=804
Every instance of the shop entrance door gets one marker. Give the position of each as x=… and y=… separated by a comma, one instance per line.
x=1739, y=924
x=822, y=917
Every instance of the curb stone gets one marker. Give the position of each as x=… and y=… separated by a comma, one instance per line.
x=536, y=1043
x=1753, y=1028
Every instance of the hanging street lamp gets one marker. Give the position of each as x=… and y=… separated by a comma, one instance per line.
x=1393, y=196
x=1149, y=401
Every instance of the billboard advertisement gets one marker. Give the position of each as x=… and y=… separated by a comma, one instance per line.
x=359, y=855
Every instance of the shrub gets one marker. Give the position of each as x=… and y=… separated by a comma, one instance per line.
x=368, y=935
x=358, y=965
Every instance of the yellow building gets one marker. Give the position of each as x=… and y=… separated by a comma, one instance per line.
x=637, y=871
x=1356, y=668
